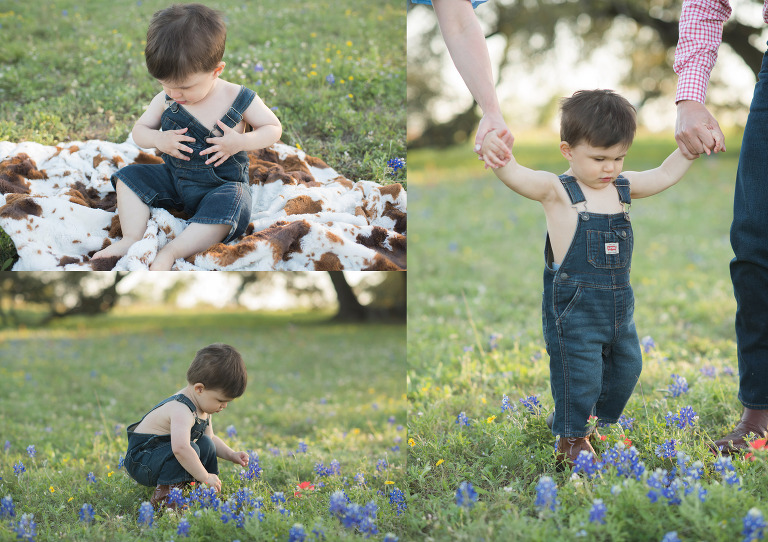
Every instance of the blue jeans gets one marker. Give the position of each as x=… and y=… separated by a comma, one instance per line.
x=749, y=239
x=153, y=463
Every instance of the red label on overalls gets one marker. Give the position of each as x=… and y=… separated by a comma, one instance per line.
x=611, y=248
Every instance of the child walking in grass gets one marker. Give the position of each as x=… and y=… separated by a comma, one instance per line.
x=198, y=122
x=588, y=304
x=174, y=444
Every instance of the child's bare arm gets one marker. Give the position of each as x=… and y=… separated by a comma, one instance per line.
x=181, y=425
x=266, y=131
x=536, y=185
x=225, y=452
x=650, y=182
x=146, y=133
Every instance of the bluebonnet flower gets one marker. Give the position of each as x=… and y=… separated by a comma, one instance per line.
x=395, y=164
x=7, y=445
x=671, y=537
x=302, y=448
x=146, y=514
x=7, y=509
x=585, y=462
x=626, y=460
x=31, y=452
x=709, y=371
x=667, y=449
x=183, y=529
x=531, y=403
x=626, y=422
x=19, y=469
x=597, y=513
x=469, y=348
x=175, y=497
x=397, y=499
x=493, y=341
x=462, y=419
x=679, y=386
x=278, y=497
x=254, y=467
x=91, y=478
x=753, y=525
x=685, y=417
x=86, y=513
x=506, y=405
x=121, y=462
x=205, y=497
x=297, y=533
x=26, y=528
x=318, y=533
x=330, y=79
x=338, y=503
x=389, y=537
x=231, y=431
x=335, y=467
x=359, y=479
x=546, y=494
x=466, y=496
x=382, y=465
x=258, y=68
x=647, y=343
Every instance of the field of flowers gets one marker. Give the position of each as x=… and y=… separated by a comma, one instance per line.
x=322, y=419
x=481, y=461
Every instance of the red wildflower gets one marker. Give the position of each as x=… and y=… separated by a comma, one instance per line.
x=308, y=486
x=756, y=444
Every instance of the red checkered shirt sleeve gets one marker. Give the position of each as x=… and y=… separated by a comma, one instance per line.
x=701, y=31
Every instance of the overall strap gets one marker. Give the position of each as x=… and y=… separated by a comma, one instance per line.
x=573, y=189
x=235, y=114
x=181, y=398
x=622, y=186
x=158, y=405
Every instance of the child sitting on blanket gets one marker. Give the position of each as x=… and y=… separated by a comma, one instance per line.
x=198, y=123
x=588, y=304
x=174, y=444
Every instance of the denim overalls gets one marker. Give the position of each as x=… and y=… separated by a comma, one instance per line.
x=587, y=309
x=150, y=460
x=208, y=194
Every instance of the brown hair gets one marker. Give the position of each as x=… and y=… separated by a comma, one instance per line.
x=184, y=39
x=600, y=118
x=219, y=367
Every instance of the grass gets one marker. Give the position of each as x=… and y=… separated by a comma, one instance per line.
x=71, y=389
x=73, y=72
x=474, y=335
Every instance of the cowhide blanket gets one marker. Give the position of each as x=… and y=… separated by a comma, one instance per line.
x=58, y=206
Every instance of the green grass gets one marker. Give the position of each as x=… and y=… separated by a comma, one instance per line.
x=71, y=389
x=74, y=72
x=476, y=271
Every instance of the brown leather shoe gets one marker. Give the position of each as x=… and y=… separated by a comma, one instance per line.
x=161, y=494
x=551, y=420
x=752, y=422
x=568, y=449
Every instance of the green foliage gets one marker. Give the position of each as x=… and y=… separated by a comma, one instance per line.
x=75, y=72
x=474, y=328
x=71, y=390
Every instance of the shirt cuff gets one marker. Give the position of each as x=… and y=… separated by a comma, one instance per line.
x=692, y=85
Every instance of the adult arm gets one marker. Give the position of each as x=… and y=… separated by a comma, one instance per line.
x=466, y=44
x=701, y=29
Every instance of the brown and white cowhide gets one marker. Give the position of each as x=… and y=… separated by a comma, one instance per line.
x=58, y=206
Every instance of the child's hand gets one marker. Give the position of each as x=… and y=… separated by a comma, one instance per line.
x=213, y=481
x=224, y=146
x=170, y=142
x=494, y=151
x=241, y=458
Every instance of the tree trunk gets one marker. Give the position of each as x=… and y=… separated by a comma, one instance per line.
x=350, y=309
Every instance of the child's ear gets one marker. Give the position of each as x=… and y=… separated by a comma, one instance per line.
x=219, y=69
x=199, y=387
x=565, y=150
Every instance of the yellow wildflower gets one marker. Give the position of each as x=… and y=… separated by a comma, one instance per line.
x=411, y=442
x=491, y=418
x=439, y=462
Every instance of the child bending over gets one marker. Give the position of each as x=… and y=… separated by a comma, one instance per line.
x=174, y=444
x=588, y=304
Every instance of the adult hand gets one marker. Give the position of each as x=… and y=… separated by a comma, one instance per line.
x=696, y=130
x=489, y=123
